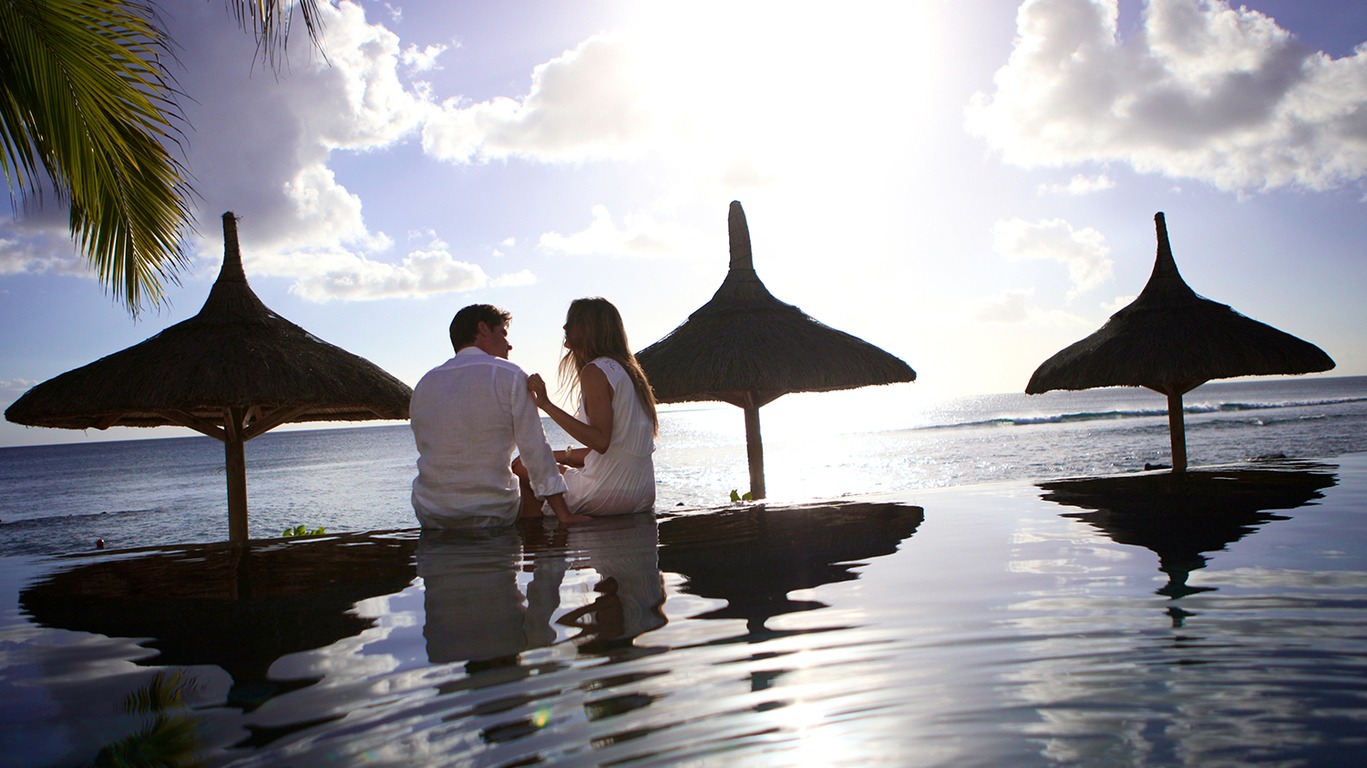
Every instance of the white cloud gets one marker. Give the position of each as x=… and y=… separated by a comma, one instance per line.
x=1118, y=303
x=1203, y=91
x=422, y=59
x=260, y=143
x=585, y=104
x=39, y=251
x=718, y=95
x=427, y=272
x=1083, y=251
x=639, y=235
x=1079, y=185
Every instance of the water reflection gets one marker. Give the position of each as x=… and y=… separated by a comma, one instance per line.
x=477, y=616
x=240, y=608
x=753, y=557
x=1182, y=517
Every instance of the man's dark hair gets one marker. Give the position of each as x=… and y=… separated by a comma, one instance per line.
x=465, y=325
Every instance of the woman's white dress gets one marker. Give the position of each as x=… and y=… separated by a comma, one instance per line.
x=622, y=480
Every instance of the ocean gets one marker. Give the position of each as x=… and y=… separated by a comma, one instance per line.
x=62, y=498
x=951, y=602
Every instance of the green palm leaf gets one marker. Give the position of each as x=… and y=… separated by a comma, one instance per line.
x=85, y=101
x=87, y=105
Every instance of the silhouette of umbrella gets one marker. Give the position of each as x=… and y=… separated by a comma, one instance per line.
x=1182, y=520
x=232, y=372
x=747, y=348
x=753, y=558
x=240, y=608
x=1172, y=340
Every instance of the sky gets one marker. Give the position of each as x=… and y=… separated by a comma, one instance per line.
x=969, y=185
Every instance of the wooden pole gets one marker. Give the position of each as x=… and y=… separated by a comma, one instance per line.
x=1177, y=426
x=235, y=462
x=754, y=447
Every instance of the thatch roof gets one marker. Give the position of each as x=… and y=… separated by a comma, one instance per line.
x=235, y=353
x=232, y=372
x=745, y=340
x=1171, y=340
x=747, y=348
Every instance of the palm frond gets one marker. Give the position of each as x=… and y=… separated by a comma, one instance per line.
x=270, y=21
x=84, y=99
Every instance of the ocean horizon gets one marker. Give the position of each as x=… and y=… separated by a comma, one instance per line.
x=63, y=497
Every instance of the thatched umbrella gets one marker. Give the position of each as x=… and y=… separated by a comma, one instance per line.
x=1171, y=340
x=232, y=372
x=747, y=348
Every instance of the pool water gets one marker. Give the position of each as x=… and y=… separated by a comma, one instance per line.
x=1114, y=622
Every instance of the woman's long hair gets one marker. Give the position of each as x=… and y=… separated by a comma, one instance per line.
x=594, y=329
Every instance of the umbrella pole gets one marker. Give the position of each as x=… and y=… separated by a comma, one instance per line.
x=1177, y=426
x=754, y=447
x=235, y=462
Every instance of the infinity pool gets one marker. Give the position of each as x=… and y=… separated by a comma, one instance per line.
x=1122, y=621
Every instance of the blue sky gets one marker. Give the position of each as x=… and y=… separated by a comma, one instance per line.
x=969, y=185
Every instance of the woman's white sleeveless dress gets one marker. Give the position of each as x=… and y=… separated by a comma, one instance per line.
x=622, y=480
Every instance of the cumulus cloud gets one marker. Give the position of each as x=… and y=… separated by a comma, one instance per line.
x=1083, y=251
x=260, y=144
x=1203, y=91
x=639, y=235
x=353, y=277
x=1118, y=303
x=719, y=92
x=584, y=104
x=1079, y=185
x=41, y=251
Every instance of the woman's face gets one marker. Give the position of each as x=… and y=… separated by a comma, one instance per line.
x=571, y=333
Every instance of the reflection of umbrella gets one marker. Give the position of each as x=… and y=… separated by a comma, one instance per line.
x=1204, y=512
x=236, y=607
x=747, y=348
x=752, y=558
x=1171, y=340
x=232, y=372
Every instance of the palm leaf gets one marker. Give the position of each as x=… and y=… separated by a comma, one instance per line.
x=86, y=105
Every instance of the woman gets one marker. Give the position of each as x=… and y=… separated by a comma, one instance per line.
x=615, y=473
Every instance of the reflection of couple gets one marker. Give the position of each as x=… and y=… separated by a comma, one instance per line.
x=470, y=414
x=476, y=613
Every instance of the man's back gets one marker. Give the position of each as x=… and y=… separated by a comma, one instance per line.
x=469, y=415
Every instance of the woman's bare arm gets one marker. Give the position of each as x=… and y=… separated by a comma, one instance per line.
x=597, y=393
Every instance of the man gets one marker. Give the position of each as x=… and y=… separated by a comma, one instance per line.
x=469, y=414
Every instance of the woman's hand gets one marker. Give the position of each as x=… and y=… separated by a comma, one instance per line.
x=536, y=387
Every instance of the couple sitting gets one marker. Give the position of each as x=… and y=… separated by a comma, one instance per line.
x=472, y=412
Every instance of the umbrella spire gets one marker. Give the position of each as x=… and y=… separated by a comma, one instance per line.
x=741, y=256
x=232, y=255
x=231, y=296
x=1165, y=283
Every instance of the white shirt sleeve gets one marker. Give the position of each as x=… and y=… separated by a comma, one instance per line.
x=531, y=443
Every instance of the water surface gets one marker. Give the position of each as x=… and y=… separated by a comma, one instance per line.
x=1000, y=624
